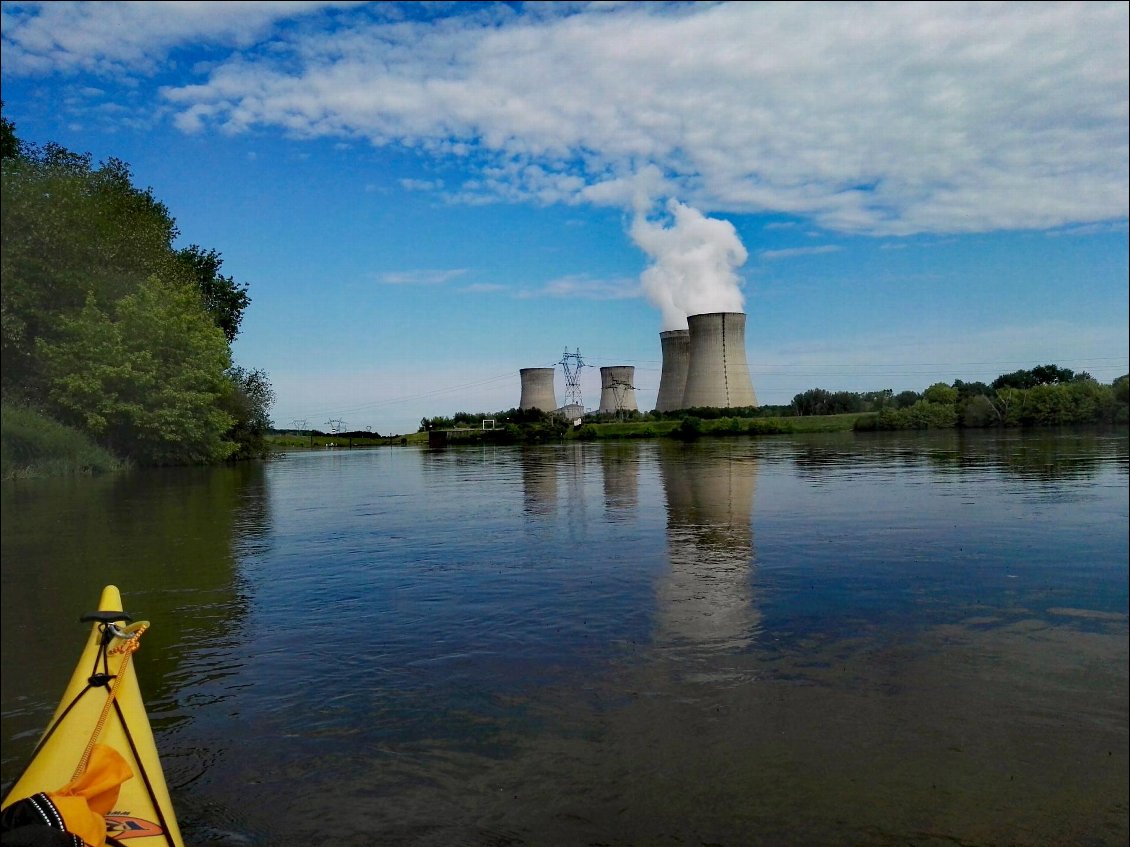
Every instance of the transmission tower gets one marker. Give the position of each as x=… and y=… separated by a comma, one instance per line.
x=620, y=390
x=572, y=363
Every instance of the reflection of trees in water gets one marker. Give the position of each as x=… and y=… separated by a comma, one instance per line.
x=707, y=596
x=172, y=540
x=1041, y=455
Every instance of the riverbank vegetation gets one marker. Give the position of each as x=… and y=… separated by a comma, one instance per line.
x=109, y=330
x=1043, y=396
x=34, y=445
x=1046, y=395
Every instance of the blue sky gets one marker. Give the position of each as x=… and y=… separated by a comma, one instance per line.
x=424, y=198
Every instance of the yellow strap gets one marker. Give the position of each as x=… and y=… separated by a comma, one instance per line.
x=128, y=647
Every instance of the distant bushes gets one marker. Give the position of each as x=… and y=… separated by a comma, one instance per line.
x=1066, y=399
x=922, y=415
x=693, y=427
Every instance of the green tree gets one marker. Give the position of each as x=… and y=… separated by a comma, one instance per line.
x=905, y=399
x=248, y=401
x=147, y=377
x=966, y=390
x=223, y=298
x=1039, y=375
x=9, y=143
x=940, y=393
x=979, y=411
x=68, y=230
x=1121, y=387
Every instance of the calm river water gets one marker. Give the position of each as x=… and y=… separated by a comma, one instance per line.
x=830, y=640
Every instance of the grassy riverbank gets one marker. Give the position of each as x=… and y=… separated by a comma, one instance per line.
x=32, y=445
x=674, y=428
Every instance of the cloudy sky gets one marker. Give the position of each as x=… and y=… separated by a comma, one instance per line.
x=426, y=197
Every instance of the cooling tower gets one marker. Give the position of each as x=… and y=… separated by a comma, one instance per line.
x=717, y=371
x=617, y=389
x=537, y=389
x=673, y=381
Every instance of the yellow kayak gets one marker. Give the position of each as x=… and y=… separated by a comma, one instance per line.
x=95, y=772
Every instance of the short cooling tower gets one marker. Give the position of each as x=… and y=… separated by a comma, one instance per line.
x=617, y=389
x=717, y=370
x=673, y=381
x=537, y=389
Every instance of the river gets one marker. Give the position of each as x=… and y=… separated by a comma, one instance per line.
x=872, y=639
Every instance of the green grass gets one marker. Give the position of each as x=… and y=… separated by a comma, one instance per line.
x=33, y=445
x=601, y=431
x=281, y=441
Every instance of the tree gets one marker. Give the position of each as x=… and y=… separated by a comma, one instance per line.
x=979, y=411
x=967, y=390
x=940, y=393
x=906, y=399
x=223, y=298
x=69, y=230
x=146, y=377
x=9, y=144
x=249, y=402
x=1039, y=375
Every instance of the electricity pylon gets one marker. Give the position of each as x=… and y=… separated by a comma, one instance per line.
x=572, y=363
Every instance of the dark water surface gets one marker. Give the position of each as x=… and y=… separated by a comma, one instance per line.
x=828, y=640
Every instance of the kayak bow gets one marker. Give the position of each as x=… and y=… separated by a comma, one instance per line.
x=102, y=707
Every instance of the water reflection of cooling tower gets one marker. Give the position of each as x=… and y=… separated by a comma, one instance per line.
x=707, y=596
x=617, y=390
x=717, y=370
x=673, y=380
x=539, y=481
x=537, y=389
x=621, y=473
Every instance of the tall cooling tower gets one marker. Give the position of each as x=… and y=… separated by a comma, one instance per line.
x=673, y=381
x=537, y=389
x=717, y=370
x=617, y=389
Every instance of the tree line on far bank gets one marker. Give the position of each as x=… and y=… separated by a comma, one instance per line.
x=1046, y=395
x=110, y=329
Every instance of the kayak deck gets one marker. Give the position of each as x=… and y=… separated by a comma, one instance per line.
x=103, y=704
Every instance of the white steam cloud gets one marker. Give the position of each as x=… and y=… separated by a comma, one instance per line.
x=694, y=263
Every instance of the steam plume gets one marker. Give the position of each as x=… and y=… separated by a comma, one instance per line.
x=694, y=262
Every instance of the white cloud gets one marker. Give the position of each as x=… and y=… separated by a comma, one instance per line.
x=888, y=118
x=484, y=288
x=421, y=277
x=793, y=252
x=421, y=184
x=582, y=287
x=111, y=37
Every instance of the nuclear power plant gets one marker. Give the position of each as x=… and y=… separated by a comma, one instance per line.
x=617, y=390
x=674, y=344
x=703, y=366
x=717, y=370
x=537, y=389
